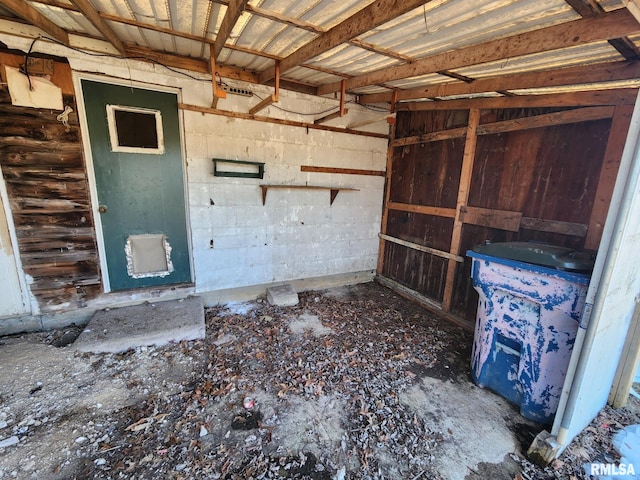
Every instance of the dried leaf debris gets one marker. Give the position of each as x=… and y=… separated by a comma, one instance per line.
x=316, y=391
x=354, y=359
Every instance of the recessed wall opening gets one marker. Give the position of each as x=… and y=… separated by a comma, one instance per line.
x=135, y=130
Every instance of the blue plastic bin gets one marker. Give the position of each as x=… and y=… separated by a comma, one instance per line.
x=526, y=324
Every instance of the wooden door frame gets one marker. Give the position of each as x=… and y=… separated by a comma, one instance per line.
x=91, y=177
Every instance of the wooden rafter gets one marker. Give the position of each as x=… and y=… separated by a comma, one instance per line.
x=624, y=96
x=294, y=22
x=186, y=63
x=614, y=24
x=279, y=121
x=309, y=27
x=257, y=11
x=379, y=50
x=590, y=8
x=372, y=16
x=234, y=10
x=25, y=11
x=97, y=21
x=585, y=8
x=273, y=16
x=602, y=72
x=290, y=84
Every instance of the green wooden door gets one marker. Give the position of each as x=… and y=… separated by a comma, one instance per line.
x=137, y=159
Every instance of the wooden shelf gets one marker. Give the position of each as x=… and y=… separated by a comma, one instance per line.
x=334, y=190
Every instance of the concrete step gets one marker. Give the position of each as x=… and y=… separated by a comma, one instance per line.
x=282, y=296
x=158, y=323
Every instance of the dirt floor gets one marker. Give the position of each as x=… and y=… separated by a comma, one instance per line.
x=353, y=383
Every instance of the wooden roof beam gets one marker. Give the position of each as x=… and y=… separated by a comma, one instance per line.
x=614, y=24
x=276, y=17
x=626, y=96
x=591, y=8
x=234, y=10
x=25, y=11
x=595, y=73
x=372, y=16
x=96, y=20
x=187, y=63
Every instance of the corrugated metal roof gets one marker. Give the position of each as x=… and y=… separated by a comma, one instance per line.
x=270, y=30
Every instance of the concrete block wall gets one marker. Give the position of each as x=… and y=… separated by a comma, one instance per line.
x=236, y=240
x=297, y=233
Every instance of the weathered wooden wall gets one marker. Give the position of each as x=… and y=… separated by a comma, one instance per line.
x=44, y=170
x=506, y=174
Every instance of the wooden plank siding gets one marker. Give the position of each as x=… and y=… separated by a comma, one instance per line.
x=44, y=171
x=538, y=180
x=421, y=176
x=549, y=173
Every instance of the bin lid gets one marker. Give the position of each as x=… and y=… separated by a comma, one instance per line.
x=546, y=255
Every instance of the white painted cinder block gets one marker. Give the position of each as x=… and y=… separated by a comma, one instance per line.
x=297, y=234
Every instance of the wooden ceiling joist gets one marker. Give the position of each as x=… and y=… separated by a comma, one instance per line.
x=234, y=10
x=596, y=25
x=97, y=21
x=624, y=96
x=292, y=85
x=372, y=16
x=25, y=11
x=591, y=8
x=614, y=24
x=603, y=72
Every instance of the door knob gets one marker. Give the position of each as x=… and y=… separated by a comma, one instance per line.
x=102, y=209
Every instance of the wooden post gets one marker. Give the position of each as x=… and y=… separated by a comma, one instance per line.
x=387, y=197
x=343, y=91
x=608, y=174
x=276, y=87
x=463, y=198
x=217, y=92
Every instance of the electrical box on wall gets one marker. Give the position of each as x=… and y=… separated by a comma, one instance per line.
x=38, y=66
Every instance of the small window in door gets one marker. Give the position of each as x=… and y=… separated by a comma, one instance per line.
x=135, y=130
